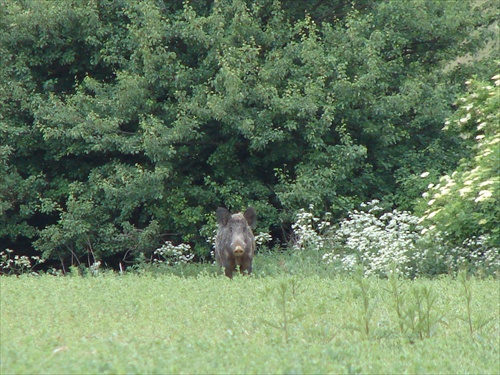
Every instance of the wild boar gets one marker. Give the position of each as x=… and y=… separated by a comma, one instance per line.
x=235, y=242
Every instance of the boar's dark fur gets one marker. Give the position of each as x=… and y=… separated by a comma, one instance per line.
x=235, y=242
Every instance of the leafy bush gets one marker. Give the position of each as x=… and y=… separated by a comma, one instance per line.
x=466, y=204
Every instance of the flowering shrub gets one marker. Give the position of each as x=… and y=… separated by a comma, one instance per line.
x=173, y=255
x=310, y=232
x=376, y=240
x=262, y=238
x=383, y=242
x=466, y=204
x=474, y=254
x=20, y=264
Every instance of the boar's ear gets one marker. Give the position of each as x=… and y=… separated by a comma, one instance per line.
x=250, y=216
x=223, y=216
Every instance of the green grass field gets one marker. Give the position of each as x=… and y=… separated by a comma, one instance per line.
x=167, y=324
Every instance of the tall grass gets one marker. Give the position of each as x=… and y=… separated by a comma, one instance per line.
x=145, y=323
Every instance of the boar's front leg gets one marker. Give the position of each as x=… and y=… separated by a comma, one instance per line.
x=246, y=268
x=230, y=268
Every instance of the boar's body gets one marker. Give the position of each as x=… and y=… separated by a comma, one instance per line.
x=235, y=242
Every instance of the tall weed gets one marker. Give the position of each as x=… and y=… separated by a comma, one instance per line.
x=477, y=323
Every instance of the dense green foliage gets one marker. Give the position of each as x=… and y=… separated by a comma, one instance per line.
x=467, y=203
x=204, y=325
x=126, y=123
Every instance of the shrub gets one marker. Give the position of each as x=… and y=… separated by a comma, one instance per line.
x=465, y=205
x=310, y=232
x=475, y=255
x=385, y=242
x=18, y=264
x=171, y=254
x=376, y=240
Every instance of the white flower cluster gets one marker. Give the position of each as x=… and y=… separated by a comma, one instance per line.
x=376, y=241
x=383, y=242
x=262, y=238
x=173, y=255
x=310, y=232
x=19, y=264
x=211, y=237
x=475, y=252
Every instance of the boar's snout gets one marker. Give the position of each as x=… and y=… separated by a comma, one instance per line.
x=238, y=251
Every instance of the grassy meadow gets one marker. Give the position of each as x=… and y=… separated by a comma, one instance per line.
x=135, y=323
